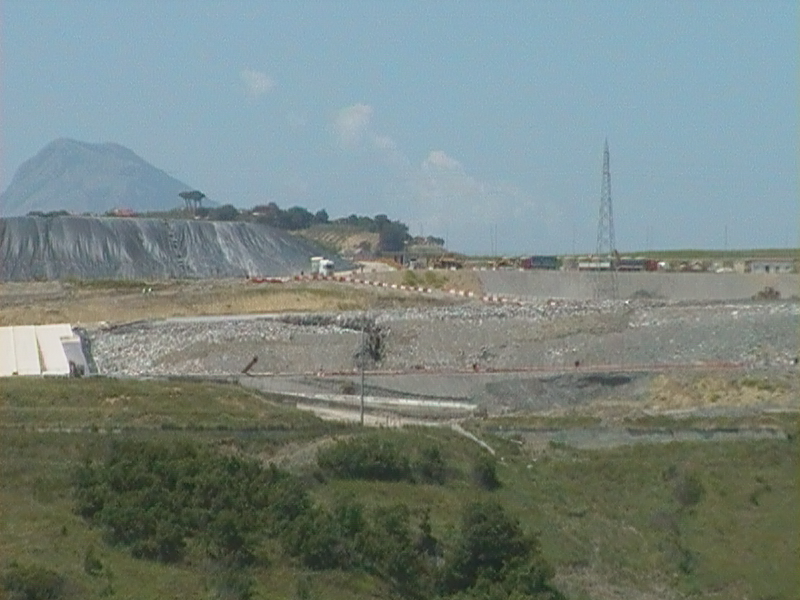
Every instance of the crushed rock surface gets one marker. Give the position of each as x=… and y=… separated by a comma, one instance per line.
x=484, y=339
x=546, y=335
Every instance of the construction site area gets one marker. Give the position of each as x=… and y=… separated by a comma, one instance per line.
x=643, y=418
x=431, y=352
x=597, y=412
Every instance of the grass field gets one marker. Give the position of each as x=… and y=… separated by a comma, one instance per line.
x=680, y=520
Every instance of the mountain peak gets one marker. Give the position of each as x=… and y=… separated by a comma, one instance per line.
x=82, y=177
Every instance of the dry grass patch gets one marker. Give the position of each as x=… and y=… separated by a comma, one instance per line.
x=88, y=303
x=668, y=392
x=92, y=303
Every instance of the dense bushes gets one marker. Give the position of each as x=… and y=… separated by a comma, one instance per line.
x=492, y=557
x=156, y=498
x=377, y=458
x=153, y=498
x=429, y=279
x=368, y=457
x=32, y=582
x=382, y=542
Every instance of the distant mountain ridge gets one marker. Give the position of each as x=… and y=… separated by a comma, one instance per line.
x=80, y=177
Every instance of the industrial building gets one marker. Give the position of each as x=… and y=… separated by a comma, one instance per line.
x=779, y=265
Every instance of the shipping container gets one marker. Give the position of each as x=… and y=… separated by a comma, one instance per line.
x=541, y=262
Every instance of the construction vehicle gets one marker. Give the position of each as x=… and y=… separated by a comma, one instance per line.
x=321, y=267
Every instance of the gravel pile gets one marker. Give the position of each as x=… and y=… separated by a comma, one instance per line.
x=468, y=336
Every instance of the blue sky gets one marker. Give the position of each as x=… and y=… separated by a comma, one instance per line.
x=459, y=118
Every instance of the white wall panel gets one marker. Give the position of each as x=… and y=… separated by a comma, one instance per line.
x=8, y=356
x=54, y=361
x=27, y=350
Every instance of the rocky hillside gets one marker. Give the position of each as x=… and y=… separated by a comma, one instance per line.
x=88, y=178
x=37, y=248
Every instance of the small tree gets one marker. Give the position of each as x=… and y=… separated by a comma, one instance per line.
x=484, y=472
x=430, y=465
x=392, y=235
x=372, y=345
x=193, y=200
x=226, y=212
x=494, y=555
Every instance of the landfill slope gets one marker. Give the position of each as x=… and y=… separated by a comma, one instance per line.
x=38, y=248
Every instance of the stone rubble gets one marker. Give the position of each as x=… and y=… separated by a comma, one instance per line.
x=540, y=335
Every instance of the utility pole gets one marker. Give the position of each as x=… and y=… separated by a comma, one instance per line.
x=363, y=358
x=573, y=239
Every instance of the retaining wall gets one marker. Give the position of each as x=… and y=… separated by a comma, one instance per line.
x=580, y=285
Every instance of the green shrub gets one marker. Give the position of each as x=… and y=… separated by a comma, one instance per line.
x=410, y=279
x=91, y=564
x=152, y=498
x=484, y=472
x=430, y=465
x=373, y=457
x=689, y=490
x=368, y=457
x=761, y=384
x=495, y=558
x=429, y=279
x=432, y=279
x=233, y=584
x=32, y=582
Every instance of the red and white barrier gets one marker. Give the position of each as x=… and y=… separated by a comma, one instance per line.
x=489, y=299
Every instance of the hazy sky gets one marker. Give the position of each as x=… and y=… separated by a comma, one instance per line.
x=459, y=118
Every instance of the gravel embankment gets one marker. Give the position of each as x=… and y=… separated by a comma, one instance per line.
x=546, y=334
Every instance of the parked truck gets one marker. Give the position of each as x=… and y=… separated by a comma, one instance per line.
x=321, y=267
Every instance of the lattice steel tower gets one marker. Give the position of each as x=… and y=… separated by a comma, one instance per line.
x=606, y=255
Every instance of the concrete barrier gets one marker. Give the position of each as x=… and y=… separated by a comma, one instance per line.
x=26, y=350
x=580, y=285
x=51, y=351
x=8, y=355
